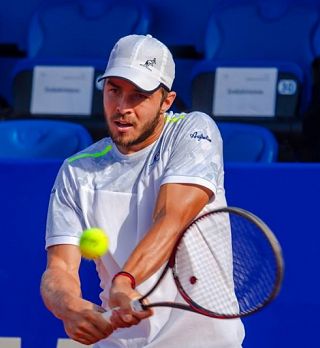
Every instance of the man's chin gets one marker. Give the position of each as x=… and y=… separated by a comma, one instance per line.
x=123, y=141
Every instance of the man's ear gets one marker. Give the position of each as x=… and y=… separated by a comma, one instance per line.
x=167, y=102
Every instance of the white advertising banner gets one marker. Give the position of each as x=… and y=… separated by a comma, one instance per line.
x=59, y=90
x=245, y=92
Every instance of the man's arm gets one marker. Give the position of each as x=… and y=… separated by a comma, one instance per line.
x=177, y=205
x=61, y=293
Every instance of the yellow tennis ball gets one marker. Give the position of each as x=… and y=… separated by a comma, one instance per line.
x=94, y=243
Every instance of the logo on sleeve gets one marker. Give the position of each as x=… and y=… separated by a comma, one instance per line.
x=200, y=136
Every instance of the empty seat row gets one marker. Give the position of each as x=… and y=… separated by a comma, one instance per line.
x=57, y=140
x=248, y=68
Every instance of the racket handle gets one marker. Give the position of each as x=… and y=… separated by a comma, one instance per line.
x=135, y=305
x=107, y=314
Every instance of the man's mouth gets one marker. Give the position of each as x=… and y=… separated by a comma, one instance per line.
x=123, y=125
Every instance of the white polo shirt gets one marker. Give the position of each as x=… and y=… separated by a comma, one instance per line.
x=101, y=187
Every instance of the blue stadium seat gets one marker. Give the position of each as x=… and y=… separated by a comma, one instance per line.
x=287, y=89
x=247, y=143
x=265, y=33
x=41, y=139
x=22, y=87
x=22, y=81
x=84, y=28
x=264, y=30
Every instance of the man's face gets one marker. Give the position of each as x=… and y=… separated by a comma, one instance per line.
x=134, y=118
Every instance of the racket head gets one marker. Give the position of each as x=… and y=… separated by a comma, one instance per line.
x=227, y=264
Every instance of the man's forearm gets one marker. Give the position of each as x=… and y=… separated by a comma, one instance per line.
x=176, y=207
x=154, y=250
x=59, y=291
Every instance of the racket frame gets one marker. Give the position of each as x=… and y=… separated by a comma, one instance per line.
x=139, y=304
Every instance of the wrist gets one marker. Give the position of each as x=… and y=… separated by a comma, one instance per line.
x=124, y=277
x=67, y=307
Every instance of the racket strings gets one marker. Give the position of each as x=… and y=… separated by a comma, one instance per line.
x=204, y=266
x=254, y=264
x=224, y=265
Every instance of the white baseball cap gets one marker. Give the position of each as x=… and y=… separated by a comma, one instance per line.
x=143, y=60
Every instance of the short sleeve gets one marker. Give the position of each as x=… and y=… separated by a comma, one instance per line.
x=196, y=155
x=64, y=222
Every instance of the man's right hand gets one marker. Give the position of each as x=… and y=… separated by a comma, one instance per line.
x=84, y=323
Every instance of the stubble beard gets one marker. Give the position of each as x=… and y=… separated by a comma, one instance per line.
x=147, y=130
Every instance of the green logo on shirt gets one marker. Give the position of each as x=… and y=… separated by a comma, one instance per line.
x=172, y=119
x=94, y=155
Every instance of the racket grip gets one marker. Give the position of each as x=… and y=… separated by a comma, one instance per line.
x=107, y=314
x=135, y=305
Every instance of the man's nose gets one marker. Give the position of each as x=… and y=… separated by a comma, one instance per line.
x=123, y=106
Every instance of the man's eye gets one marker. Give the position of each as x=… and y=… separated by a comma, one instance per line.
x=113, y=90
x=139, y=96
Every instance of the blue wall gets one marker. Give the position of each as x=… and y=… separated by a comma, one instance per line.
x=284, y=195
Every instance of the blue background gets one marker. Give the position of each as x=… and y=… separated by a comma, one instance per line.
x=285, y=195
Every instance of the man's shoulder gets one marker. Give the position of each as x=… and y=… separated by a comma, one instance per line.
x=90, y=156
x=186, y=128
x=184, y=119
x=180, y=124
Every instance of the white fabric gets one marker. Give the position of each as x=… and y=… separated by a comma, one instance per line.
x=117, y=193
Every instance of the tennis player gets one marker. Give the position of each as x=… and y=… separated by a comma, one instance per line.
x=143, y=185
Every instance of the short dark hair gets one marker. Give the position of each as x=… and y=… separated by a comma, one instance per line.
x=164, y=92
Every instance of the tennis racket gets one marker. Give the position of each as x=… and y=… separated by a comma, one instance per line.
x=226, y=264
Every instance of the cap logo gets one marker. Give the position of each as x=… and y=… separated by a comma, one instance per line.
x=149, y=63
